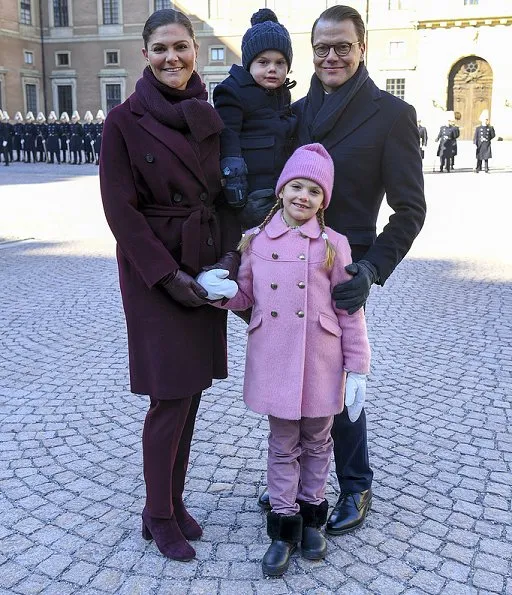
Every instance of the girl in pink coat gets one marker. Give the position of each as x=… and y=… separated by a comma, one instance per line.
x=300, y=349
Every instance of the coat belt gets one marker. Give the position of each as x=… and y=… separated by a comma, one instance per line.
x=190, y=230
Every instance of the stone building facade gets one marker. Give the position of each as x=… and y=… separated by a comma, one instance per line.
x=441, y=55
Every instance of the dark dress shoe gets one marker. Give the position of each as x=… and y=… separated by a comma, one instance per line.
x=349, y=513
x=264, y=501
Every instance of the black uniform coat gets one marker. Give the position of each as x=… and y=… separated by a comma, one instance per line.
x=447, y=142
x=160, y=197
x=6, y=135
x=374, y=144
x=29, y=136
x=52, y=141
x=259, y=126
x=19, y=134
x=482, y=140
x=77, y=136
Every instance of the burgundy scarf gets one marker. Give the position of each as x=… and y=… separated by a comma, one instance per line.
x=185, y=110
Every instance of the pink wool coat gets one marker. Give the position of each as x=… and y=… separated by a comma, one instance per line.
x=298, y=344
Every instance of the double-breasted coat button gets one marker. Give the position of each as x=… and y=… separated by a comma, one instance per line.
x=302, y=257
x=301, y=284
x=209, y=241
x=275, y=256
x=300, y=314
x=177, y=197
x=273, y=285
x=149, y=158
x=203, y=196
x=273, y=314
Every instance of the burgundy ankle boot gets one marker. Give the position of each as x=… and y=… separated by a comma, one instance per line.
x=168, y=537
x=187, y=524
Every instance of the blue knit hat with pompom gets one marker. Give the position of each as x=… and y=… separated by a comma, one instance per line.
x=265, y=34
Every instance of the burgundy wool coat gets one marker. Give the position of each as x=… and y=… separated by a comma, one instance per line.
x=298, y=344
x=161, y=197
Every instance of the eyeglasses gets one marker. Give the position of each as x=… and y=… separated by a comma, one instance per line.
x=342, y=49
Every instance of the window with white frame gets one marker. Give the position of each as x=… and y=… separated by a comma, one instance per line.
x=60, y=13
x=25, y=12
x=218, y=54
x=28, y=57
x=31, y=97
x=110, y=12
x=111, y=57
x=396, y=49
x=63, y=58
x=396, y=87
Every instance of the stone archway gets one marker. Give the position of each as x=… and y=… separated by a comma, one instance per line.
x=469, y=93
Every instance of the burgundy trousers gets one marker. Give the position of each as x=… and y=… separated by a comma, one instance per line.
x=299, y=458
x=166, y=440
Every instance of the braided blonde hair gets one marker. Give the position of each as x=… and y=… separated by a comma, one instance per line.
x=247, y=238
x=330, y=250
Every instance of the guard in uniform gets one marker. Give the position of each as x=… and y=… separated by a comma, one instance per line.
x=422, y=131
x=482, y=139
x=456, y=131
x=41, y=134
x=446, y=138
x=19, y=133
x=6, y=136
x=89, y=136
x=100, y=118
x=77, y=139
x=53, y=138
x=65, y=133
x=29, y=138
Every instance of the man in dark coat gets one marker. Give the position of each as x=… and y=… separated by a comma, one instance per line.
x=53, y=138
x=6, y=136
x=446, y=149
x=422, y=131
x=29, y=137
x=19, y=135
x=456, y=134
x=373, y=140
x=482, y=139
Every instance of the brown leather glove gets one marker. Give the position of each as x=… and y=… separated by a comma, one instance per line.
x=184, y=289
x=229, y=262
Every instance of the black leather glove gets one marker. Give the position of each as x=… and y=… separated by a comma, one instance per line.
x=234, y=171
x=259, y=203
x=229, y=262
x=184, y=289
x=351, y=295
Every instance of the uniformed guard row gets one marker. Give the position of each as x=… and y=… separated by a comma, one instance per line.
x=52, y=140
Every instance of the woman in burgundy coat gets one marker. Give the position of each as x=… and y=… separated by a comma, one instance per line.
x=161, y=191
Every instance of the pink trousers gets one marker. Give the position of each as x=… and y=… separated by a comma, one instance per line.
x=299, y=458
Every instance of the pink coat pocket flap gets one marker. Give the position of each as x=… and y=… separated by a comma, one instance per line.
x=329, y=324
x=255, y=322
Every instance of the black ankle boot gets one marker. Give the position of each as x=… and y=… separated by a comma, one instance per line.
x=313, y=545
x=286, y=533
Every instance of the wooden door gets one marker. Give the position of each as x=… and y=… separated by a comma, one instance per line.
x=469, y=93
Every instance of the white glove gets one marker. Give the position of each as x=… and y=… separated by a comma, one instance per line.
x=217, y=285
x=355, y=394
x=4, y=144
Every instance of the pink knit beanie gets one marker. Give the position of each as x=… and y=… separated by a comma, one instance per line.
x=311, y=162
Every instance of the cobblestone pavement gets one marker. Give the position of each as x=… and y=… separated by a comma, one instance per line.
x=439, y=415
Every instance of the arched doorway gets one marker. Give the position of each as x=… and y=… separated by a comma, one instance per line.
x=469, y=93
